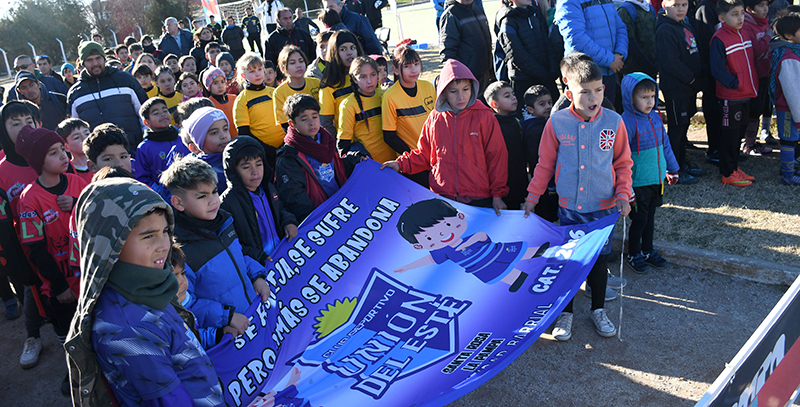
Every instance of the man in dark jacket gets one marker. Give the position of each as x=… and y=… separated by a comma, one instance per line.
x=52, y=105
x=106, y=95
x=25, y=63
x=241, y=202
x=175, y=41
x=464, y=36
x=359, y=25
x=531, y=57
x=288, y=34
x=233, y=37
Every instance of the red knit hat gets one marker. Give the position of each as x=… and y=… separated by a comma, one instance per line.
x=32, y=144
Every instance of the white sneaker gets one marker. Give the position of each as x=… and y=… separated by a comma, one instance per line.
x=30, y=354
x=604, y=326
x=563, y=328
x=615, y=282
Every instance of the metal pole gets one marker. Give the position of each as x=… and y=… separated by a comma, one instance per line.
x=33, y=50
x=191, y=25
x=113, y=34
x=140, y=32
x=8, y=67
x=306, y=4
x=87, y=37
x=63, y=54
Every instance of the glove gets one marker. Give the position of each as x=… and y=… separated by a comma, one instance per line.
x=672, y=179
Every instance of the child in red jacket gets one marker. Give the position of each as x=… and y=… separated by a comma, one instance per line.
x=461, y=143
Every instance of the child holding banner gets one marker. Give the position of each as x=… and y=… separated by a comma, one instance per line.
x=605, y=171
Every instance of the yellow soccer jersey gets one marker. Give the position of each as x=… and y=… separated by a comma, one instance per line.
x=352, y=125
x=152, y=92
x=254, y=108
x=283, y=92
x=331, y=98
x=172, y=102
x=405, y=114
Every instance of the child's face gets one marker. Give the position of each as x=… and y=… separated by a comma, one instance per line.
x=793, y=38
x=199, y=203
x=644, y=100
x=409, y=73
x=149, y=242
x=56, y=160
x=347, y=53
x=734, y=18
x=123, y=55
x=183, y=282
x=306, y=123
x=505, y=102
x=445, y=233
x=367, y=80
x=219, y=85
x=541, y=108
x=114, y=155
x=145, y=80
x=587, y=97
x=189, y=87
x=189, y=66
x=15, y=124
x=295, y=65
x=135, y=54
x=322, y=49
x=160, y=118
x=150, y=62
x=166, y=83
x=67, y=74
x=252, y=172
x=760, y=10
x=458, y=94
x=382, y=74
x=217, y=137
x=269, y=76
x=173, y=65
x=676, y=9
x=212, y=56
x=226, y=67
x=74, y=141
x=254, y=74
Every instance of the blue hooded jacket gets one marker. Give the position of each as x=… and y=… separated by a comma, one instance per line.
x=594, y=28
x=650, y=149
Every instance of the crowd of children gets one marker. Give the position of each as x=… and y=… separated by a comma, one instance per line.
x=234, y=159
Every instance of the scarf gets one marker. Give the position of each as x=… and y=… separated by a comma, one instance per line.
x=168, y=134
x=205, y=228
x=777, y=55
x=324, y=151
x=144, y=285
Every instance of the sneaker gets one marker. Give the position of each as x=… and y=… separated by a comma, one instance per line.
x=654, y=259
x=736, y=181
x=615, y=282
x=65, y=389
x=12, y=309
x=686, y=179
x=793, y=180
x=638, y=263
x=771, y=140
x=30, y=354
x=745, y=176
x=563, y=329
x=712, y=157
x=602, y=324
x=611, y=295
x=757, y=150
x=695, y=172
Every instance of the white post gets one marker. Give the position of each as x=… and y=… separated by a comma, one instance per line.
x=140, y=32
x=8, y=67
x=306, y=3
x=191, y=25
x=114, y=35
x=63, y=54
x=33, y=50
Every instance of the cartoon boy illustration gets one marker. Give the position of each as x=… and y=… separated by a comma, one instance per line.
x=438, y=227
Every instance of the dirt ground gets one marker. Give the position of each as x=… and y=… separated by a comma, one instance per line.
x=679, y=328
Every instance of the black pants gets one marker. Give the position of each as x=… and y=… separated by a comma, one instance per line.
x=712, y=112
x=33, y=320
x=547, y=208
x=760, y=105
x=597, y=281
x=270, y=152
x=734, y=124
x=255, y=41
x=679, y=113
x=611, y=82
x=643, y=215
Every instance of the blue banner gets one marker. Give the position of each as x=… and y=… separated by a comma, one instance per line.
x=393, y=296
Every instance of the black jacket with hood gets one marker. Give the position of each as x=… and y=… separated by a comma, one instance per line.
x=523, y=34
x=464, y=36
x=237, y=201
x=678, y=60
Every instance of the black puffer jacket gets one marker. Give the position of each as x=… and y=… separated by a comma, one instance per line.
x=112, y=97
x=464, y=36
x=237, y=201
x=523, y=34
x=678, y=59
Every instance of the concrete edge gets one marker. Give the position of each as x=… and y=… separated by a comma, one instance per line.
x=760, y=271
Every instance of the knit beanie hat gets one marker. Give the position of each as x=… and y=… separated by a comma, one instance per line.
x=67, y=66
x=226, y=56
x=33, y=144
x=209, y=75
x=89, y=48
x=196, y=126
x=345, y=36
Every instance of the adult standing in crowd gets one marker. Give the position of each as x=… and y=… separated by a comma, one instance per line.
x=288, y=34
x=268, y=11
x=304, y=23
x=46, y=67
x=25, y=63
x=358, y=25
x=233, y=37
x=105, y=94
x=201, y=39
x=252, y=24
x=175, y=41
x=464, y=36
x=52, y=105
